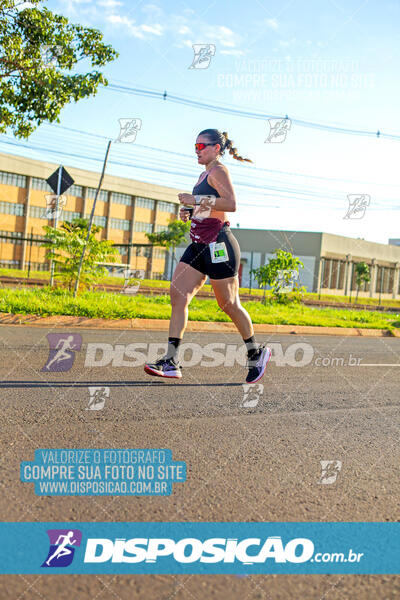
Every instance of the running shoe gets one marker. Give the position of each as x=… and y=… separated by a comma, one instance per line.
x=165, y=367
x=258, y=364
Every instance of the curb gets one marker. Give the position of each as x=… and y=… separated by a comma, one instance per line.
x=195, y=326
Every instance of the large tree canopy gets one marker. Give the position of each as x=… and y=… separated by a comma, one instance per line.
x=38, y=51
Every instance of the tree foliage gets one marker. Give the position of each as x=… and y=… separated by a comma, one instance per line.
x=279, y=271
x=171, y=237
x=38, y=52
x=65, y=247
x=362, y=275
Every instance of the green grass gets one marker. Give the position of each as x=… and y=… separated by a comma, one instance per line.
x=160, y=283
x=116, y=306
x=345, y=300
x=24, y=273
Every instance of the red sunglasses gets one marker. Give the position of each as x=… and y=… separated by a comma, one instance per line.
x=201, y=146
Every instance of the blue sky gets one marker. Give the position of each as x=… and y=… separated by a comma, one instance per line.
x=334, y=62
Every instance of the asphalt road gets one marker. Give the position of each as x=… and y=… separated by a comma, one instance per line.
x=254, y=458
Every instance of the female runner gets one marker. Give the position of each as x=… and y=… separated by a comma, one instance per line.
x=215, y=252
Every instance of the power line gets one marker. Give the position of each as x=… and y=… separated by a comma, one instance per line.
x=280, y=190
x=240, y=168
x=267, y=191
x=151, y=163
x=158, y=95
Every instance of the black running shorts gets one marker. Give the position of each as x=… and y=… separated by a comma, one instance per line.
x=198, y=256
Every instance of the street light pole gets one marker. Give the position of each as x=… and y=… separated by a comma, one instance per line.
x=91, y=220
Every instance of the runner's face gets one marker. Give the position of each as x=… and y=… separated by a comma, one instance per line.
x=209, y=153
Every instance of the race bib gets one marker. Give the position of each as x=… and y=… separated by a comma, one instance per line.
x=218, y=252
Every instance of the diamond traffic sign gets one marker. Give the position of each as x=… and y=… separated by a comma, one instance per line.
x=66, y=181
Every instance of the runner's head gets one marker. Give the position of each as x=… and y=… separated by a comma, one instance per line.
x=217, y=142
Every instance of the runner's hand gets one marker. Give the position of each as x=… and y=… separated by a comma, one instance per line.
x=187, y=199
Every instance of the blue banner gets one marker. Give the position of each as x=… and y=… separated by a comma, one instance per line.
x=205, y=548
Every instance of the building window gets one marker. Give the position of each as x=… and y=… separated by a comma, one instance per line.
x=390, y=280
x=342, y=271
x=159, y=253
x=122, y=250
x=123, y=224
x=10, y=208
x=37, y=212
x=167, y=207
x=98, y=220
x=334, y=274
x=12, y=179
x=145, y=202
x=75, y=190
x=121, y=198
x=144, y=251
x=379, y=275
x=326, y=267
x=9, y=264
x=37, y=239
x=159, y=228
x=141, y=226
x=103, y=194
x=353, y=285
x=37, y=266
x=69, y=215
x=385, y=280
x=38, y=183
x=6, y=235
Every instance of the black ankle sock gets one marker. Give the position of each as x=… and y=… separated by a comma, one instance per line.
x=173, y=346
x=251, y=345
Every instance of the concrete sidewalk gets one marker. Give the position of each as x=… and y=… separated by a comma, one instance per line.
x=198, y=326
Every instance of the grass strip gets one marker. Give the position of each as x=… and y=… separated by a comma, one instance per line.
x=45, y=302
x=160, y=283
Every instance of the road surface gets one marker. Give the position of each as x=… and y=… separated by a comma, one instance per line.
x=254, y=458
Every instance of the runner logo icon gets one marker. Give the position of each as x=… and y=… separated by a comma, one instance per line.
x=329, y=471
x=251, y=394
x=62, y=547
x=62, y=351
x=98, y=396
x=203, y=54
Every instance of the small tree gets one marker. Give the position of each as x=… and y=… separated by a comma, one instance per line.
x=277, y=270
x=39, y=49
x=65, y=247
x=362, y=275
x=171, y=237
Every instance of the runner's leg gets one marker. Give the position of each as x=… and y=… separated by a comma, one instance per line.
x=186, y=282
x=227, y=294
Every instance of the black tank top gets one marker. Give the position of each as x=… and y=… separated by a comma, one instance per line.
x=205, y=188
x=205, y=230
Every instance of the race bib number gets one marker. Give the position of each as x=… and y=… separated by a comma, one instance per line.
x=218, y=252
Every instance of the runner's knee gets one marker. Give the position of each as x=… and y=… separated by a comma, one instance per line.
x=178, y=297
x=228, y=305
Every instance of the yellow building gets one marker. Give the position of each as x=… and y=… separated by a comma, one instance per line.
x=125, y=208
